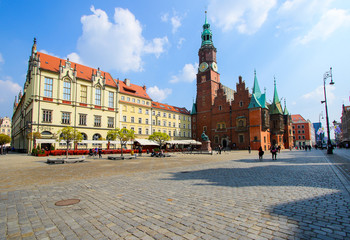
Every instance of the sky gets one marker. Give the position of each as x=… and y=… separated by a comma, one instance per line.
x=156, y=43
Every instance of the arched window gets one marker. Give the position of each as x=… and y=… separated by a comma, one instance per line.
x=96, y=136
x=66, y=89
x=84, y=136
x=46, y=133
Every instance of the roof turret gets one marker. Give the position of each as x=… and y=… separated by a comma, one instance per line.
x=206, y=34
x=276, y=107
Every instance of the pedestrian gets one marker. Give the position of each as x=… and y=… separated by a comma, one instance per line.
x=249, y=149
x=219, y=149
x=261, y=153
x=274, y=152
x=99, y=153
x=279, y=148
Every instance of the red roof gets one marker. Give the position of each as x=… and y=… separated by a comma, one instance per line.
x=169, y=108
x=52, y=63
x=297, y=117
x=133, y=90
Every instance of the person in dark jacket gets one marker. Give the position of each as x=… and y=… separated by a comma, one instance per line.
x=261, y=153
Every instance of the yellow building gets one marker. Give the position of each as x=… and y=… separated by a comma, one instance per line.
x=59, y=93
x=174, y=121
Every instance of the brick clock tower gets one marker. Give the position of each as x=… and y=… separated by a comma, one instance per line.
x=208, y=81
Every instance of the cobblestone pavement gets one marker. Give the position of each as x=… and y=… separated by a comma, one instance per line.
x=298, y=196
x=341, y=159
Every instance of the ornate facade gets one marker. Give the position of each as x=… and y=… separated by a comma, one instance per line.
x=59, y=93
x=235, y=119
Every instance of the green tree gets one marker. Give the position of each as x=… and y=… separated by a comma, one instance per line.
x=69, y=134
x=159, y=137
x=123, y=134
x=4, y=139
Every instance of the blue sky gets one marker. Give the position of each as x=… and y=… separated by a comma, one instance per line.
x=156, y=43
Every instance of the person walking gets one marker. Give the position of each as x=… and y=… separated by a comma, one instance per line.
x=99, y=153
x=274, y=152
x=219, y=149
x=261, y=153
x=249, y=149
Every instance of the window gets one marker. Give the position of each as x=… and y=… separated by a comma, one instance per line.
x=140, y=130
x=132, y=119
x=264, y=139
x=47, y=115
x=164, y=123
x=303, y=137
x=170, y=133
x=179, y=125
x=132, y=128
x=133, y=100
x=241, y=138
x=140, y=110
x=147, y=112
x=83, y=94
x=174, y=133
x=147, y=131
x=82, y=119
x=140, y=120
x=184, y=125
x=173, y=124
x=303, y=131
x=153, y=122
x=146, y=120
x=153, y=130
x=147, y=103
x=241, y=104
x=173, y=116
x=164, y=131
x=189, y=126
x=98, y=96
x=65, y=118
x=164, y=114
x=123, y=98
x=220, y=108
x=169, y=116
x=299, y=137
x=169, y=124
x=298, y=126
x=110, y=122
x=143, y=102
x=189, y=119
x=111, y=99
x=138, y=100
x=153, y=113
x=128, y=99
x=184, y=118
x=124, y=118
x=302, y=126
x=66, y=90
x=97, y=121
x=158, y=122
x=48, y=87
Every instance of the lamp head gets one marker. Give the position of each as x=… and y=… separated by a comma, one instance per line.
x=323, y=101
x=331, y=83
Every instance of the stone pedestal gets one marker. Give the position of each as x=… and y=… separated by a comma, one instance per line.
x=206, y=146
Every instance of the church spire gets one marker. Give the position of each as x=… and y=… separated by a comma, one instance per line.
x=256, y=88
x=206, y=34
x=276, y=107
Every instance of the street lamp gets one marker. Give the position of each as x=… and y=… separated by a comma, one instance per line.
x=325, y=76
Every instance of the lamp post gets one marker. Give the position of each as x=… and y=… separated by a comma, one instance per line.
x=325, y=76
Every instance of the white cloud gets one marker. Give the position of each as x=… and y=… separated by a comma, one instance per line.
x=247, y=16
x=175, y=21
x=164, y=17
x=115, y=44
x=180, y=42
x=74, y=57
x=49, y=53
x=158, y=94
x=332, y=20
x=1, y=59
x=8, y=91
x=317, y=95
x=187, y=74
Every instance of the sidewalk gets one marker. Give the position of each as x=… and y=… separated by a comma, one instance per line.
x=226, y=196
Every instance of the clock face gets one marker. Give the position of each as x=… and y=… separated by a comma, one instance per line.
x=214, y=66
x=203, y=66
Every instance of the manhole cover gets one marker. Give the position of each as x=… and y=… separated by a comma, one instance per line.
x=67, y=202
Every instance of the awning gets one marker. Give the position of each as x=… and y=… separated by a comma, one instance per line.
x=146, y=142
x=184, y=142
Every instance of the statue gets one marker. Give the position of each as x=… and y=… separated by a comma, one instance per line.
x=204, y=137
